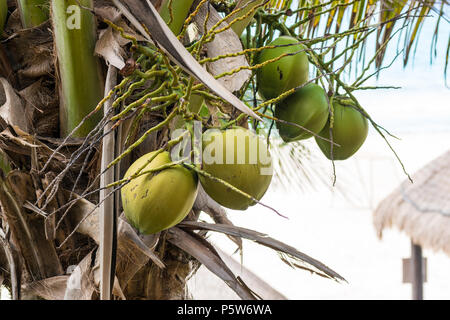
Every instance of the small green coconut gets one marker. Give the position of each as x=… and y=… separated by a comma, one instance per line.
x=284, y=74
x=307, y=107
x=350, y=129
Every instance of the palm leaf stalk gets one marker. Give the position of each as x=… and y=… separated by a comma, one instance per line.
x=33, y=12
x=174, y=13
x=3, y=14
x=81, y=80
x=107, y=210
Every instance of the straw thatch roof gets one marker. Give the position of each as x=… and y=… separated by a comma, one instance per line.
x=421, y=209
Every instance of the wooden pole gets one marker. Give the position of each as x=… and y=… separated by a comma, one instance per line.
x=417, y=272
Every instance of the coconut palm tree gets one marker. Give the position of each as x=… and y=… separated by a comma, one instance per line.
x=88, y=86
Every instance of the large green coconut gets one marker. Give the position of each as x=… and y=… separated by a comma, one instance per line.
x=284, y=74
x=239, y=157
x=157, y=201
x=307, y=107
x=350, y=129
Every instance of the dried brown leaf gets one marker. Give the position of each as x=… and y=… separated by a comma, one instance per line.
x=226, y=42
x=53, y=288
x=11, y=106
x=110, y=43
x=15, y=190
x=80, y=284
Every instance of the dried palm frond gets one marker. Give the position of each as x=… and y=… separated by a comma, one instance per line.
x=260, y=238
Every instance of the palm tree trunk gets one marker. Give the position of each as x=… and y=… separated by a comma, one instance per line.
x=154, y=283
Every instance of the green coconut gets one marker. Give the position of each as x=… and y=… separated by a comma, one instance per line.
x=307, y=107
x=239, y=157
x=157, y=201
x=350, y=129
x=284, y=74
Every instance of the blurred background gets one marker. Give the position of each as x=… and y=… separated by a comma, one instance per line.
x=334, y=224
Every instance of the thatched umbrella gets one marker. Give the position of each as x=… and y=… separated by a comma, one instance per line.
x=422, y=210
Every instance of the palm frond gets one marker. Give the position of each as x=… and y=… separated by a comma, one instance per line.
x=300, y=258
x=296, y=168
x=315, y=19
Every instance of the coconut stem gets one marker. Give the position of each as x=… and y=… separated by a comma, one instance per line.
x=81, y=81
x=174, y=13
x=33, y=12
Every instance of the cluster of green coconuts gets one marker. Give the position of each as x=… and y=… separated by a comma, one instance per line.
x=308, y=106
x=157, y=201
